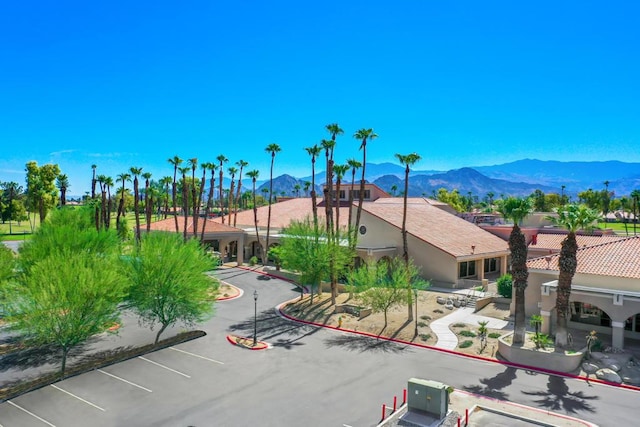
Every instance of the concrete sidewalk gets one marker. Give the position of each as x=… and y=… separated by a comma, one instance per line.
x=447, y=339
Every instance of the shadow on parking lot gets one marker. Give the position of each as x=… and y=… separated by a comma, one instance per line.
x=362, y=344
x=33, y=357
x=270, y=326
x=492, y=387
x=559, y=398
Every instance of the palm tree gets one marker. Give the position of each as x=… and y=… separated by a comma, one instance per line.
x=176, y=162
x=394, y=189
x=254, y=176
x=517, y=209
x=62, y=182
x=185, y=200
x=314, y=151
x=148, y=199
x=328, y=146
x=271, y=149
x=100, y=179
x=230, y=197
x=135, y=172
x=196, y=213
x=573, y=217
x=624, y=206
x=165, y=182
x=222, y=159
x=242, y=164
x=339, y=170
x=307, y=185
x=408, y=161
x=355, y=165
x=93, y=181
x=211, y=167
x=635, y=195
x=121, y=177
x=194, y=191
x=108, y=182
x=296, y=189
x=363, y=135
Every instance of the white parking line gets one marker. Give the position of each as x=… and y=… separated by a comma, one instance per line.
x=31, y=413
x=165, y=367
x=79, y=398
x=196, y=355
x=123, y=380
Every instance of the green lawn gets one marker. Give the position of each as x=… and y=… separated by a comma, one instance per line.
x=618, y=227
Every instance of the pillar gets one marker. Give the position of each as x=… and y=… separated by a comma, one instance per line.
x=241, y=249
x=546, y=321
x=617, y=334
x=503, y=265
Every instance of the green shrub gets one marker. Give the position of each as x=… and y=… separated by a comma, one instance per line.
x=505, y=285
x=253, y=260
x=542, y=341
x=469, y=334
x=422, y=324
x=437, y=310
x=494, y=335
x=425, y=337
x=425, y=317
x=459, y=325
x=465, y=344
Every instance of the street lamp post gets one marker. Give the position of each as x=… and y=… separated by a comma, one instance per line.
x=415, y=293
x=255, y=317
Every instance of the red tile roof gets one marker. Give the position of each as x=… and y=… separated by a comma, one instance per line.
x=210, y=227
x=554, y=241
x=443, y=230
x=282, y=213
x=617, y=258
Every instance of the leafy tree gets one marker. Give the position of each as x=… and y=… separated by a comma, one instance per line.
x=168, y=281
x=573, y=217
x=70, y=283
x=505, y=285
x=41, y=190
x=452, y=198
x=517, y=209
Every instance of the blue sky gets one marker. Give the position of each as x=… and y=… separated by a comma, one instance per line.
x=122, y=84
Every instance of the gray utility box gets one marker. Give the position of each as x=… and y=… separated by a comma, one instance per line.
x=428, y=396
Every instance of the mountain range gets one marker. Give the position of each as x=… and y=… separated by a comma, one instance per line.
x=519, y=178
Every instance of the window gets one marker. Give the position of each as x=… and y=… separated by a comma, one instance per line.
x=490, y=265
x=467, y=269
x=589, y=314
x=356, y=194
x=342, y=195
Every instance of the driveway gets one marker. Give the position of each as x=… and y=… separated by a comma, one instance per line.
x=311, y=377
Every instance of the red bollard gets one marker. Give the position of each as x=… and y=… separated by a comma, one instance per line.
x=466, y=417
x=458, y=421
x=404, y=396
x=384, y=411
x=395, y=401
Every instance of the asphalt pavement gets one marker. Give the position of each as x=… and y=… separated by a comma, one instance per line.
x=311, y=376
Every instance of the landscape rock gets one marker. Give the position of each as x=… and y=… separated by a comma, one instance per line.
x=630, y=375
x=608, y=375
x=590, y=368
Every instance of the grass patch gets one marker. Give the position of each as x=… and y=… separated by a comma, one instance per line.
x=494, y=335
x=425, y=317
x=465, y=344
x=459, y=325
x=437, y=310
x=469, y=334
x=423, y=324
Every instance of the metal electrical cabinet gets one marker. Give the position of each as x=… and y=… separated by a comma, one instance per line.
x=428, y=396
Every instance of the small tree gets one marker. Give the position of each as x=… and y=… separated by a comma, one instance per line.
x=482, y=334
x=168, y=281
x=536, y=321
x=505, y=285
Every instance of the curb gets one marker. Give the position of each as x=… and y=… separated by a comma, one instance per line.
x=260, y=345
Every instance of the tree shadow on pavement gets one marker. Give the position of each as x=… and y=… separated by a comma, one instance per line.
x=559, y=398
x=33, y=357
x=492, y=387
x=362, y=344
x=269, y=325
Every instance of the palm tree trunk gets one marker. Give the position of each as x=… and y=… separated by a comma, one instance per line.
x=174, y=189
x=314, y=202
x=520, y=274
x=266, y=249
x=255, y=221
x=567, y=265
x=136, y=208
x=361, y=195
x=209, y=201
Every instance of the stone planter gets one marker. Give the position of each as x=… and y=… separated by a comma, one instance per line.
x=560, y=361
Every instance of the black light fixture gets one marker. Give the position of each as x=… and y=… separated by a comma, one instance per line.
x=255, y=317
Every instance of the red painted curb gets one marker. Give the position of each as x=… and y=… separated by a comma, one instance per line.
x=442, y=350
x=230, y=338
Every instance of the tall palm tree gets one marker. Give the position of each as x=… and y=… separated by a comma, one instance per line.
x=198, y=203
x=108, y=182
x=624, y=206
x=135, y=172
x=272, y=149
x=328, y=146
x=211, y=167
x=222, y=159
x=516, y=209
x=355, y=165
x=165, y=182
x=241, y=164
x=93, y=181
x=194, y=194
x=339, y=170
x=62, y=182
x=253, y=174
x=148, y=199
x=176, y=162
x=121, y=177
x=334, y=130
x=306, y=187
x=296, y=189
x=314, y=151
x=363, y=135
x=573, y=217
x=185, y=200
x=635, y=196
x=100, y=179
x=407, y=160
x=230, y=197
